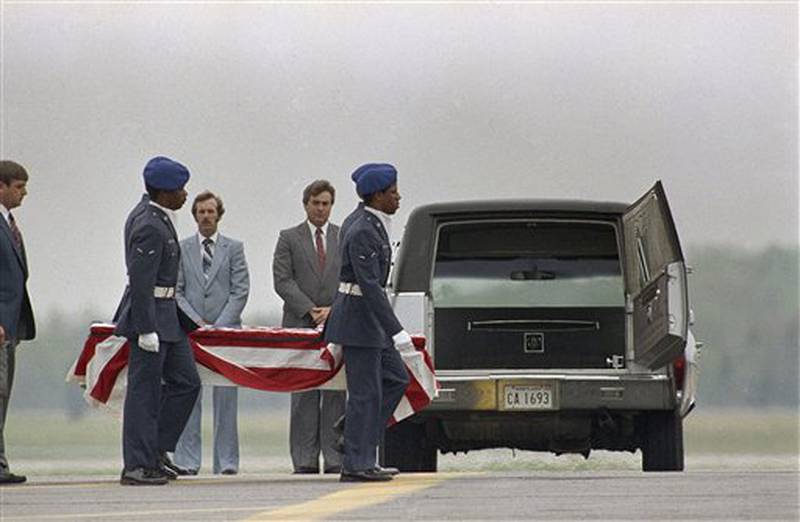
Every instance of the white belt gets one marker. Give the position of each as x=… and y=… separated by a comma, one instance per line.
x=164, y=292
x=350, y=288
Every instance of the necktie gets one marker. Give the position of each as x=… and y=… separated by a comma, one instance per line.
x=208, y=255
x=15, y=233
x=320, y=250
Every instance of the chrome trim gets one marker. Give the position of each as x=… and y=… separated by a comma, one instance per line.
x=571, y=392
x=538, y=372
x=577, y=325
x=495, y=376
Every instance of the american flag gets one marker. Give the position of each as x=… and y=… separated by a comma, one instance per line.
x=264, y=358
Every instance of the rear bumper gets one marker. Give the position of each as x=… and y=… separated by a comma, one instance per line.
x=571, y=392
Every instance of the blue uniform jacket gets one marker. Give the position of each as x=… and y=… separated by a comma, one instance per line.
x=367, y=320
x=16, y=314
x=152, y=256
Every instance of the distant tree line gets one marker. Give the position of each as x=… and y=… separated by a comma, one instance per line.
x=745, y=303
x=746, y=308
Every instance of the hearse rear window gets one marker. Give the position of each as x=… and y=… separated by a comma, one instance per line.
x=527, y=263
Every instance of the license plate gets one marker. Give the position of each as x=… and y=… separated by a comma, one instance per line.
x=528, y=397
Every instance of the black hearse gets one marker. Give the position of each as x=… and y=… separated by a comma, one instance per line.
x=557, y=326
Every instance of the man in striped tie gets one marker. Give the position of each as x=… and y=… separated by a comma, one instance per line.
x=16, y=315
x=213, y=287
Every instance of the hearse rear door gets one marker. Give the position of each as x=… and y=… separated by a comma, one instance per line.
x=655, y=280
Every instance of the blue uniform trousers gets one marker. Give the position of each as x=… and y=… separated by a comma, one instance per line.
x=155, y=412
x=376, y=381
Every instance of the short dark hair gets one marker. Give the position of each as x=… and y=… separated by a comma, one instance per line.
x=12, y=171
x=317, y=187
x=205, y=196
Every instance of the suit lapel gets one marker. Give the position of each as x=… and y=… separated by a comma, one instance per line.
x=331, y=245
x=220, y=253
x=20, y=252
x=306, y=244
x=194, y=257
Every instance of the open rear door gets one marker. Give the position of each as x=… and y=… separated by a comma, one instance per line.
x=655, y=279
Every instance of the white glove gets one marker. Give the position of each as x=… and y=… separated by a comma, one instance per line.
x=402, y=342
x=149, y=342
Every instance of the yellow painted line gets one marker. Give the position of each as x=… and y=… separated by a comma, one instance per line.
x=355, y=496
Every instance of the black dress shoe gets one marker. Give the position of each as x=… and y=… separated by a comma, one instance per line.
x=171, y=475
x=302, y=470
x=369, y=475
x=142, y=477
x=333, y=469
x=170, y=469
x=387, y=470
x=10, y=478
x=227, y=472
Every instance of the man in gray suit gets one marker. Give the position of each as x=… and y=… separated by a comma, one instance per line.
x=305, y=271
x=16, y=315
x=213, y=286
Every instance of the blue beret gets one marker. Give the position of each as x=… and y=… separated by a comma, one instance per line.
x=374, y=177
x=165, y=174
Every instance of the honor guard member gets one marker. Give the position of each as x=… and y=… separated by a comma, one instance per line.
x=363, y=322
x=162, y=378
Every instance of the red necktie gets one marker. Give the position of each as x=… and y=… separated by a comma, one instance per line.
x=320, y=250
x=15, y=231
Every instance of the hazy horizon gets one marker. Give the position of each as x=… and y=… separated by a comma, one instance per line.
x=574, y=101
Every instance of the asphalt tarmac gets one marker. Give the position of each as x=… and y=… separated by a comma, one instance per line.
x=536, y=495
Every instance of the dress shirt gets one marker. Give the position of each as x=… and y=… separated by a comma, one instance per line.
x=213, y=237
x=5, y=212
x=313, y=228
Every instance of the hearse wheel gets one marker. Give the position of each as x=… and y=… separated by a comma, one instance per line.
x=407, y=447
x=662, y=441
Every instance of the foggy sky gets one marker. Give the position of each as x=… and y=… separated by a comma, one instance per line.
x=467, y=100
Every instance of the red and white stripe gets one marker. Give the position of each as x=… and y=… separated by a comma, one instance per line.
x=267, y=358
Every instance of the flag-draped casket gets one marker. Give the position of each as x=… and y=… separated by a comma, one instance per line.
x=263, y=358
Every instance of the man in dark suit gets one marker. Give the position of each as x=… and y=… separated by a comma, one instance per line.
x=16, y=314
x=363, y=322
x=162, y=378
x=213, y=286
x=305, y=271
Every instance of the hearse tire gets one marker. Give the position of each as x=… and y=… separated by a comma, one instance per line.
x=662, y=441
x=407, y=447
